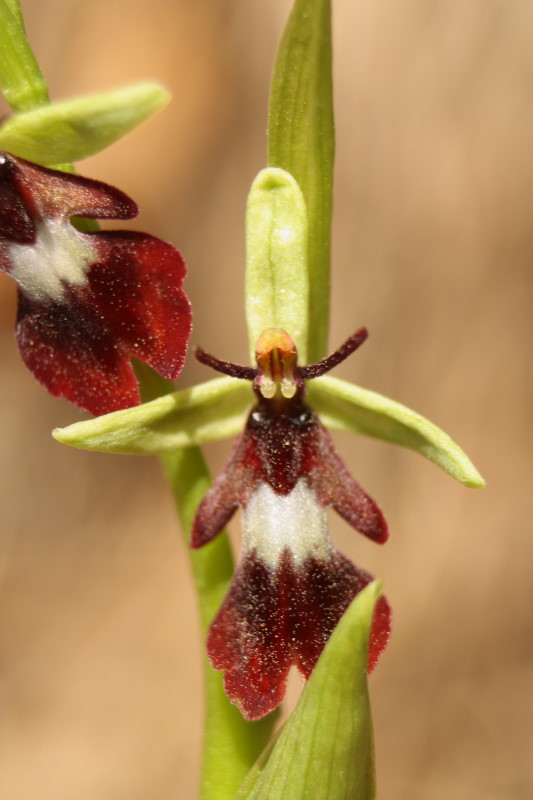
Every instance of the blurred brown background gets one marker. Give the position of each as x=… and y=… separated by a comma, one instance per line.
x=100, y=685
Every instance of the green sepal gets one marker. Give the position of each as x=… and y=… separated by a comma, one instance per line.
x=75, y=129
x=209, y=411
x=325, y=750
x=301, y=140
x=346, y=407
x=21, y=81
x=277, y=279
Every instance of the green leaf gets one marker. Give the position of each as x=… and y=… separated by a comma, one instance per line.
x=325, y=751
x=301, y=140
x=206, y=412
x=78, y=128
x=14, y=7
x=277, y=279
x=347, y=407
x=21, y=80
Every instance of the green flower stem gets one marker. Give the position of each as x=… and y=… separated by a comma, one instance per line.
x=301, y=140
x=231, y=745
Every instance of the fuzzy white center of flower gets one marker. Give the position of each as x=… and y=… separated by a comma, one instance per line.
x=273, y=522
x=58, y=256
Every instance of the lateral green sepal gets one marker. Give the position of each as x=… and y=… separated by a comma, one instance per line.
x=75, y=129
x=347, y=407
x=212, y=410
x=277, y=280
x=325, y=749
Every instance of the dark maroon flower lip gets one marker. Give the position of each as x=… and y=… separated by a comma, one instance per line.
x=88, y=302
x=292, y=586
x=274, y=618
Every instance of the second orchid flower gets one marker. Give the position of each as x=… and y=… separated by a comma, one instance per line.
x=88, y=302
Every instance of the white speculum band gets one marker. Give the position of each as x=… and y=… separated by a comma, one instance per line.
x=274, y=522
x=58, y=256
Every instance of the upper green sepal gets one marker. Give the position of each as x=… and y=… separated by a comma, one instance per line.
x=277, y=279
x=325, y=750
x=206, y=412
x=75, y=129
x=346, y=407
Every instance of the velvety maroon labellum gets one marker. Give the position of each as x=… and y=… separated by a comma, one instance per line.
x=88, y=302
x=291, y=586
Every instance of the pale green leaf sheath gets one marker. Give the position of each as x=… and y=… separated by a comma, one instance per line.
x=325, y=751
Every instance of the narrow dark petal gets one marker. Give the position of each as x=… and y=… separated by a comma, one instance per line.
x=272, y=619
x=329, y=362
x=226, y=367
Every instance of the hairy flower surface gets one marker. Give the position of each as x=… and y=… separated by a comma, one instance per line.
x=291, y=586
x=88, y=302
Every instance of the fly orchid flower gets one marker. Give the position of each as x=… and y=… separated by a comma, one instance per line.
x=88, y=302
x=291, y=586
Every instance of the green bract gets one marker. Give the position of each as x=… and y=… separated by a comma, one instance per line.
x=78, y=128
x=325, y=751
x=277, y=279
